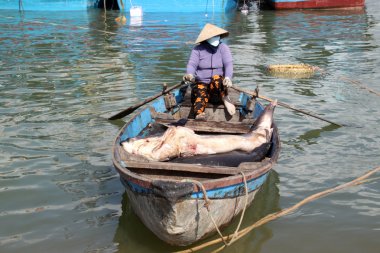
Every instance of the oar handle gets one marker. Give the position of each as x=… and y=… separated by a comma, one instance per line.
x=254, y=94
x=131, y=109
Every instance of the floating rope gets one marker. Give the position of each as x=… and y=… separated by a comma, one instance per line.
x=360, y=85
x=360, y=180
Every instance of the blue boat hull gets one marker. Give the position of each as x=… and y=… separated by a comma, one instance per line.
x=46, y=5
x=207, y=6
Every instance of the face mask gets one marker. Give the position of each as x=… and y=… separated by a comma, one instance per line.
x=214, y=41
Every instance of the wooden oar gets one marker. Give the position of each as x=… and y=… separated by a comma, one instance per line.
x=254, y=94
x=131, y=109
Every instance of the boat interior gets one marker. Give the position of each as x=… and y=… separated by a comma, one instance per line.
x=179, y=112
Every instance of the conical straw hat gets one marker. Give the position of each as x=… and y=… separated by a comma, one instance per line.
x=210, y=31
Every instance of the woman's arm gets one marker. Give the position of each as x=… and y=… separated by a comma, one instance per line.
x=227, y=61
x=193, y=63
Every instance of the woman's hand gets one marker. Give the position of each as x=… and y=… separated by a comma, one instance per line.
x=227, y=82
x=188, y=78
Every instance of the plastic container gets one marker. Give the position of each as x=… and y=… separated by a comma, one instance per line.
x=136, y=11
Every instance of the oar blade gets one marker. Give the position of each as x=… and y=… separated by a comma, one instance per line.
x=122, y=113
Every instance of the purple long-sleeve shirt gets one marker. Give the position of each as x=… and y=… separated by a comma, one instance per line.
x=206, y=61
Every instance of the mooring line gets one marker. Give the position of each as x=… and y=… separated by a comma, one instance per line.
x=207, y=205
x=360, y=85
x=224, y=239
x=235, y=234
x=354, y=82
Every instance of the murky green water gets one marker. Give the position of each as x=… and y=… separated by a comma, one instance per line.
x=62, y=74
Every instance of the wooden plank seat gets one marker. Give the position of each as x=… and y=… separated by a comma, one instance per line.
x=193, y=168
x=210, y=126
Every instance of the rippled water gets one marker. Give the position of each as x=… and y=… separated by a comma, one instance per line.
x=63, y=73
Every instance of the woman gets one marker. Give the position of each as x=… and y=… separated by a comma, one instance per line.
x=210, y=67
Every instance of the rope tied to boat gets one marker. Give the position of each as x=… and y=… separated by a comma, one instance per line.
x=207, y=206
x=235, y=234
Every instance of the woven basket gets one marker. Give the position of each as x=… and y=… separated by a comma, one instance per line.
x=292, y=70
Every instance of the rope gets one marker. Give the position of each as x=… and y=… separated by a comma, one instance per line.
x=20, y=6
x=360, y=180
x=122, y=5
x=243, y=212
x=207, y=205
x=360, y=85
x=353, y=82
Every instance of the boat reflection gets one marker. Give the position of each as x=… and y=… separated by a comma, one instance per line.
x=316, y=133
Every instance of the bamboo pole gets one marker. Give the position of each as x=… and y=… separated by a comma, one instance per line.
x=276, y=215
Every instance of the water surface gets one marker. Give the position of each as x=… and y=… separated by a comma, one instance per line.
x=63, y=73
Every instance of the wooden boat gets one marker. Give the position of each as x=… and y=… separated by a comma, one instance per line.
x=48, y=5
x=177, y=199
x=192, y=6
x=180, y=6
x=315, y=4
